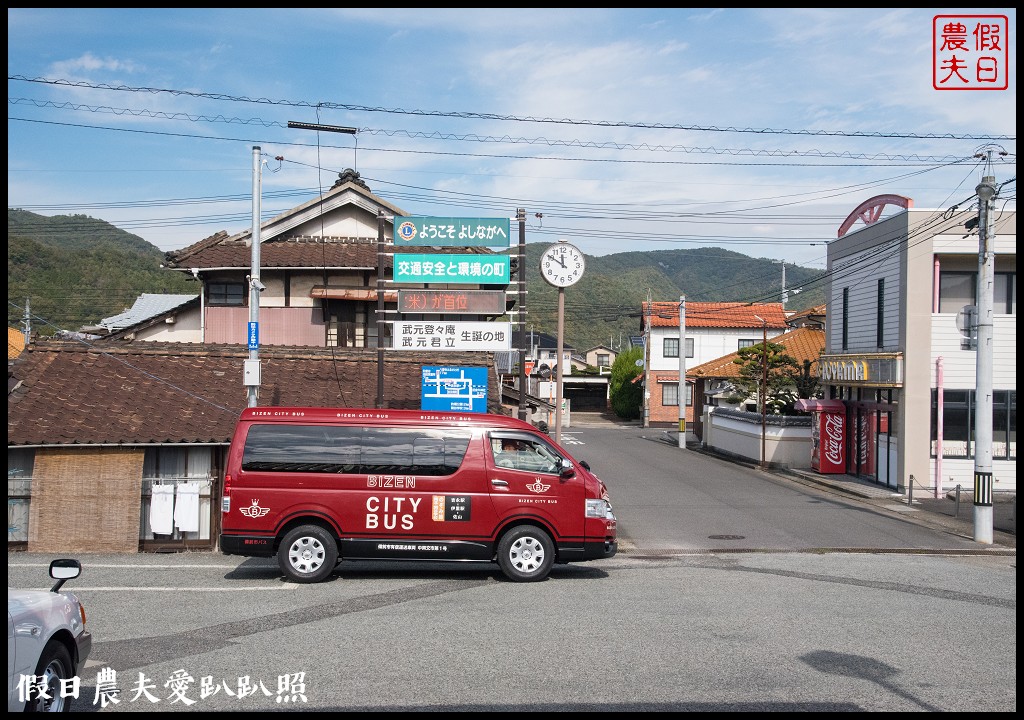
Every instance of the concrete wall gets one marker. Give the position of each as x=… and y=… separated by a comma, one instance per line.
x=787, y=439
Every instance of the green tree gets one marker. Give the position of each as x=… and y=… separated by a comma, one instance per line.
x=783, y=375
x=626, y=395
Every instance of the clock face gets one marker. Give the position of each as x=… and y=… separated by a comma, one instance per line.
x=562, y=265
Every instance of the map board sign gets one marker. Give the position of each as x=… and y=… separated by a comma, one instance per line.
x=454, y=389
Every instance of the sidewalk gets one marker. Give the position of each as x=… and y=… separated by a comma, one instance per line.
x=944, y=513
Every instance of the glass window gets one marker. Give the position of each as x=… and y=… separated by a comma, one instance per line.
x=670, y=347
x=747, y=343
x=182, y=480
x=670, y=394
x=525, y=453
x=1005, y=294
x=956, y=289
x=880, y=316
x=226, y=294
x=846, y=318
x=958, y=424
x=689, y=347
x=354, y=450
x=20, y=466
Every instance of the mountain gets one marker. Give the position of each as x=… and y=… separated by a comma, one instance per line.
x=77, y=270
x=604, y=307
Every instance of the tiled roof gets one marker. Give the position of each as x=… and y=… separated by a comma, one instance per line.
x=715, y=314
x=68, y=393
x=146, y=306
x=220, y=251
x=805, y=343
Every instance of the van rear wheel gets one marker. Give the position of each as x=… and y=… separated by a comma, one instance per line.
x=308, y=554
x=526, y=554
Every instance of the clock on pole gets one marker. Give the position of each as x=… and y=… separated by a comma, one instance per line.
x=562, y=264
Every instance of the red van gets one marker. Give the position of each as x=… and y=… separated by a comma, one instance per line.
x=314, y=486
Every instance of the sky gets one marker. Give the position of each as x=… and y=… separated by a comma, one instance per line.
x=757, y=131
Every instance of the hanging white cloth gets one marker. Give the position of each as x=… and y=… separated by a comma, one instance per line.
x=161, y=510
x=186, y=510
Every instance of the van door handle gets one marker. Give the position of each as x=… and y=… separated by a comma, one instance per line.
x=498, y=483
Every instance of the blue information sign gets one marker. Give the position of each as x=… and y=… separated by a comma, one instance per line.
x=254, y=336
x=454, y=389
x=452, y=232
x=453, y=268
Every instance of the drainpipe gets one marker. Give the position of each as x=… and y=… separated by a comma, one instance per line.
x=939, y=381
x=935, y=285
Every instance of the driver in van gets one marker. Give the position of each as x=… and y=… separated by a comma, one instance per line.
x=506, y=452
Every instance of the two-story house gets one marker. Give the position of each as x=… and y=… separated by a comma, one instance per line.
x=896, y=359
x=713, y=329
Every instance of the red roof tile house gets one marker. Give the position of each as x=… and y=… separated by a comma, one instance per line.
x=713, y=329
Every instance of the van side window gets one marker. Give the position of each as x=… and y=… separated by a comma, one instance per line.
x=521, y=454
x=354, y=450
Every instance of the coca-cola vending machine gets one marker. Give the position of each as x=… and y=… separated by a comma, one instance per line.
x=828, y=440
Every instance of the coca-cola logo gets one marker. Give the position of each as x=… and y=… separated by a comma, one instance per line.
x=833, y=445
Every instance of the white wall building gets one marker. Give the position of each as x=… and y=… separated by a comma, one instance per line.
x=713, y=329
x=894, y=355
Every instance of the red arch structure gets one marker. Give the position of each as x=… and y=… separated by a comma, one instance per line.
x=870, y=210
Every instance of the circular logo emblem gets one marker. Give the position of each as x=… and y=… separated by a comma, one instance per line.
x=407, y=230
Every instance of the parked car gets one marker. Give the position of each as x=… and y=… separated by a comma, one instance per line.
x=46, y=643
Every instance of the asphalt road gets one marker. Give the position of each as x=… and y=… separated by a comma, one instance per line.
x=735, y=590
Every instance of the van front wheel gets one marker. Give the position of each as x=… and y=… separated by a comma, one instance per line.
x=308, y=554
x=526, y=554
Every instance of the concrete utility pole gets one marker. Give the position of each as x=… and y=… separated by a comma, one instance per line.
x=523, y=347
x=252, y=370
x=682, y=371
x=763, y=394
x=380, y=308
x=983, y=381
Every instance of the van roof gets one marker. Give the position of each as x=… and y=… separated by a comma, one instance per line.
x=355, y=416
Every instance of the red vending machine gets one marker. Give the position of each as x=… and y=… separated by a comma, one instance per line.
x=828, y=434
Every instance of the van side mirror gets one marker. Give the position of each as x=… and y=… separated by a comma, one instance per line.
x=566, y=470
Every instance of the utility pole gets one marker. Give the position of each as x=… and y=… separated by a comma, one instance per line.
x=28, y=321
x=763, y=394
x=785, y=294
x=682, y=372
x=252, y=366
x=380, y=308
x=983, y=381
x=521, y=217
x=648, y=312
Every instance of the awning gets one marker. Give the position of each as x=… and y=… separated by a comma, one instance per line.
x=339, y=293
x=670, y=378
x=807, y=405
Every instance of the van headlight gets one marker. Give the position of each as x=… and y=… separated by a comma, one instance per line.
x=601, y=509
